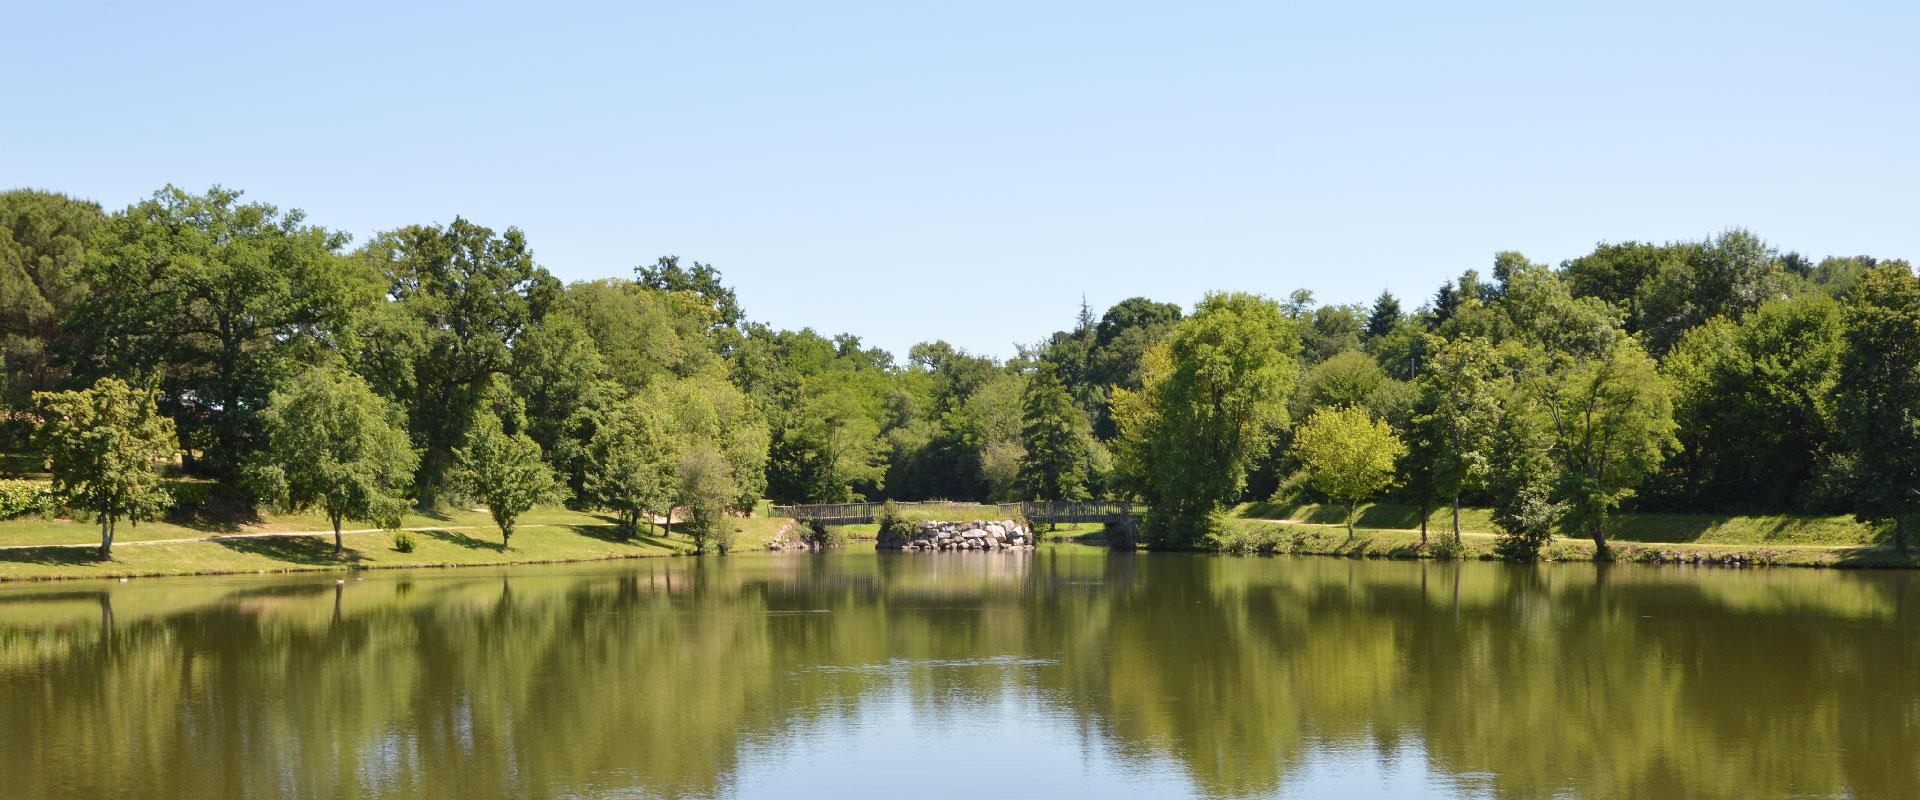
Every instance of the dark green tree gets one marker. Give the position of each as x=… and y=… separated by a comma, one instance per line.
x=1877, y=397
x=1054, y=464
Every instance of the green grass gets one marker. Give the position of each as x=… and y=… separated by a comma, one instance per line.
x=1665, y=528
x=1251, y=536
x=448, y=539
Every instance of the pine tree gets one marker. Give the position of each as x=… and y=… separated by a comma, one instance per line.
x=1056, y=445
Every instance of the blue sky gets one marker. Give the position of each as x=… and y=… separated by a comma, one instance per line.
x=966, y=171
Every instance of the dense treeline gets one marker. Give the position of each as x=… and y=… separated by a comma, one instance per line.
x=436, y=363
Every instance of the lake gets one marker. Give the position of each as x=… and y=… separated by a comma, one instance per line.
x=1067, y=672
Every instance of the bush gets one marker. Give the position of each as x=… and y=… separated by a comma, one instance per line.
x=1526, y=525
x=25, y=498
x=1446, y=549
x=403, y=541
x=816, y=534
x=896, y=527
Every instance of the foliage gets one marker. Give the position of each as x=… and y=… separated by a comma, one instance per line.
x=25, y=498
x=466, y=295
x=1213, y=399
x=706, y=489
x=1457, y=411
x=1347, y=455
x=505, y=472
x=631, y=465
x=218, y=300
x=1611, y=421
x=403, y=541
x=1877, y=397
x=1053, y=432
x=103, y=444
x=332, y=444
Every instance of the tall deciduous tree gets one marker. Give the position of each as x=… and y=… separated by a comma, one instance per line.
x=1213, y=398
x=468, y=294
x=333, y=444
x=217, y=299
x=43, y=244
x=1347, y=456
x=1611, y=415
x=1051, y=429
x=505, y=471
x=631, y=463
x=1457, y=413
x=102, y=445
x=1878, y=397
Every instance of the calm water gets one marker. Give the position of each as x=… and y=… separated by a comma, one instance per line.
x=1065, y=673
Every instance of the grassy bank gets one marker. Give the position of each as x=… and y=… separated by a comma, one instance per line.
x=38, y=549
x=1662, y=528
x=1252, y=536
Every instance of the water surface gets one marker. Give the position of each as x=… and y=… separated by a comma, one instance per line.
x=1068, y=673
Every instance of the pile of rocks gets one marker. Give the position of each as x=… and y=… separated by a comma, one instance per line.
x=974, y=535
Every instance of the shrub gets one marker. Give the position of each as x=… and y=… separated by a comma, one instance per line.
x=25, y=498
x=403, y=541
x=896, y=526
x=816, y=534
x=1526, y=525
x=1446, y=549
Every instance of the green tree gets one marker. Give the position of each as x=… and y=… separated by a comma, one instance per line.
x=102, y=445
x=1611, y=417
x=333, y=444
x=1385, y=316
x=1753, y=404
x=504, y=471
x=1212, y=401
x=631, y=463
x=1053, y=465
x=220, y=301
x=1457, y=413
x=1877, y=397
x=1347, y=456
x=468, y=295
x=43, y=244
x=706, y=489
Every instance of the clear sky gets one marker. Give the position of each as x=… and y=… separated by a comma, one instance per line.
x=966, y=171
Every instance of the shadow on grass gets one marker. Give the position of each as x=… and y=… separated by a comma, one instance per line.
x=462, y=539
x=608, y=532
x=1378, y=515
x=52, y=556
x=308, y=550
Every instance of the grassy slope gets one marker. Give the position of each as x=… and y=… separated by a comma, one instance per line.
x=459, y=538
x=1769, y=529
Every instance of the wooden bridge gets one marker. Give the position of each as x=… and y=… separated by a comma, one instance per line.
x=1036, y=513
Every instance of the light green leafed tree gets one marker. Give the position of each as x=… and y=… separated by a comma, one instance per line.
x=1878, y=397
x=1213, y=398
x=103, y=445
x=504, y=471
x=1611, y=417
x=1056, y=437
x=334, y=445
x=1347, y=455
x=631, y=464
x=706, y=488
x=1456, y=415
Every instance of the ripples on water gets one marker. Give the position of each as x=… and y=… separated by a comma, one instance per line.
x=1067, y=673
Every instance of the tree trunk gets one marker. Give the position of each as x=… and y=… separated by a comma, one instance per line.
x=336, y=533
x=1900, y=532
x=106, y=537
x=1599, y=542
x=668, y=534
x=506, y=535
x=1352, y=506
x=1456, y=517
x=1426, y=510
